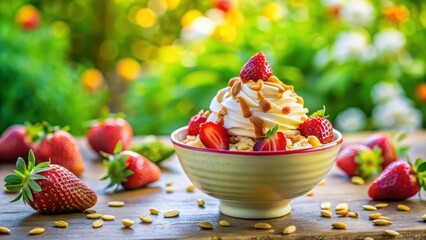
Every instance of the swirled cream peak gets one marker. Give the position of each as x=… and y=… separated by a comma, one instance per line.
x=251, y=108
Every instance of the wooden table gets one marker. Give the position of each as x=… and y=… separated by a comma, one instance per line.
x=305, y=215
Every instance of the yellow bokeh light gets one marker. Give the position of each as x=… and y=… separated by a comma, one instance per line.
x=128, y=69
x=274, y=11
x=189, y=17
x=170, y=54
x=225, y=33
x=172, y=4
x=92, y=80
x=234, y=16
x=145, y=18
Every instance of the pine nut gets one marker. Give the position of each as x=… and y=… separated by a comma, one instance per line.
x=322, y=183
x=358, y=180
x=342, y=213
x=381, y=205
x=341, y=206
x=374, y=216
x=424, y=217
x=108, y=217
x=169, y=183
x=205, y=225
x=353, y=214
x=36, y=231
x=190, y=188
x=224, y=223
x=145, y=218
x=403, y=207
x=339, y=225
x=127, y=222
x=392, y=233
x=171, y=214
x=263, y=226
x=200, y=202
x=369, y=208
x=326, y=213
x=4, y=230
x=61, y=224
x=289, y=230
x=383, y=217
x=89, y=211
x=97, y=224
x=170, y=189
x=310, y=193
x=116, y=204
x=94, y=215
x=381, y=222
x=154, y=211
x=368, y=238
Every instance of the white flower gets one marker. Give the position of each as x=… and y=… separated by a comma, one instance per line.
x=385, y=91
x=350, y=45
x=199, y=29
x=397, y=114
x=358, y=12
x=351, y=120
x=389, y=41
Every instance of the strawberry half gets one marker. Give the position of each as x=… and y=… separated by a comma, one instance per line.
x=272, y=141
x=130, y=169
x=256, y=68
x=196, y=121
x=319, y=126
x=49, y=188
x=215, y=136
x=359, y=160
x=399, y=181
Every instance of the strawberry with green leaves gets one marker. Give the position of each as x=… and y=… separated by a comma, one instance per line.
x=59, y=147
x=49, y=188
x=272, y=141
x=129, y=169
x=15, y=142
x=399, y=181
x=360, y=160
x=319, y=126
x=256, y=68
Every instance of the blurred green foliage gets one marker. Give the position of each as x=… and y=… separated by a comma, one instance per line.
x=187, y=51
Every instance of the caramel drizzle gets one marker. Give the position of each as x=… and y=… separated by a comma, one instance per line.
x=244, y=107
x=264, y=104
x=236, y=88
x=286, y=110
x=257, y=122
x=221, y=116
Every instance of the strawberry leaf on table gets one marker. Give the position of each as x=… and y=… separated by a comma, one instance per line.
x=24, y=178
x=154, y=149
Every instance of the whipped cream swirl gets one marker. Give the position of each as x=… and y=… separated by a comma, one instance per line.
x=250, y=109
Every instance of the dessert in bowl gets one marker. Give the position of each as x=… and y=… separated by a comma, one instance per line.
x=257, y=149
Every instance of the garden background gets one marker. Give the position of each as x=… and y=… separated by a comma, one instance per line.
x=161, y=61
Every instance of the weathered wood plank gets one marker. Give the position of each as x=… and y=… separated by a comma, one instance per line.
x=305, y=215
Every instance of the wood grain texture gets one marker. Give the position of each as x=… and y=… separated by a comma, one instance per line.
x=305, y=215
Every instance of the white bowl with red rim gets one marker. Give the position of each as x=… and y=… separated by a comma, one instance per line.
x=255, y=185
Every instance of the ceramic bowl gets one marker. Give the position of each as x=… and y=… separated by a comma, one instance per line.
x=255, y=185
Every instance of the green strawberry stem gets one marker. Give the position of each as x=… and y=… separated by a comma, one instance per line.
x=271, y=132
x=117, y=167
x=320, y=112
x=419, y=170
x=369, y=163
x=24, y=178
x=400, y=150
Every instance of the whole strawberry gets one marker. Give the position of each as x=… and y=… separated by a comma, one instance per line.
x=272, y=141
x=319, y=126
x=14, y=143
x=196, y=121
x=130, y=169
x=104, y=134
x=399, y=181
x=390, y=150
x=49, y=188
x=59, y=147
x=359, y=160
x=214, y=136
x=256, y=68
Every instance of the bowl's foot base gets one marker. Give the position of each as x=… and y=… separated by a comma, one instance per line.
x=255, y=211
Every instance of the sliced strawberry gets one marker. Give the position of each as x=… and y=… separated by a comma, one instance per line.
x=196, y=121
x=319, y=126
x=399, y=181
x=256, y=68
x=272, y=141
x=215, y=136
